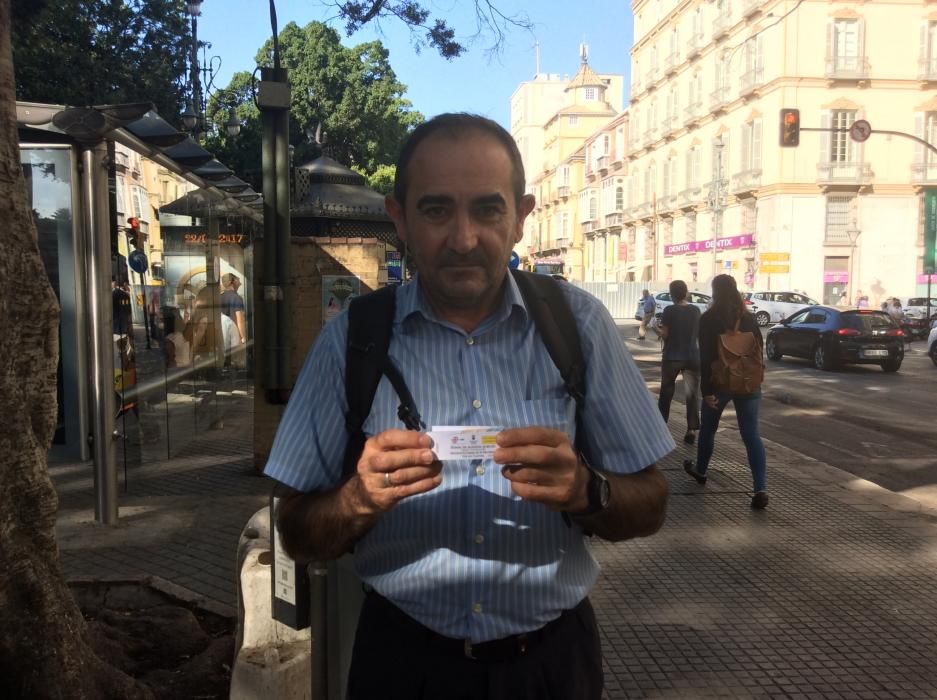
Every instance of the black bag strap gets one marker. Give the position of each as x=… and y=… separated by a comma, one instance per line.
x=370, y=325
x=553, y=318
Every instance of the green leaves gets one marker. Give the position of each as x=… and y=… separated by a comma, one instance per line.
x=85, y=52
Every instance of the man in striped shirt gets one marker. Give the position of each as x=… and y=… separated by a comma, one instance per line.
x=478, y=571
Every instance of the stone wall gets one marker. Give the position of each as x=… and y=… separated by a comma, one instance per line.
x=310, y=260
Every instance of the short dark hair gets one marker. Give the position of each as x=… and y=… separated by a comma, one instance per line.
x=454, y=125
x=678, y=290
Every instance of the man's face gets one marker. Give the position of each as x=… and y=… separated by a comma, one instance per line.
x=460, y=219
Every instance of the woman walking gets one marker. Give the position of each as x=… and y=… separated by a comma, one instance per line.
x=728, y=312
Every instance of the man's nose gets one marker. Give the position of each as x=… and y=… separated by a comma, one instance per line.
x=463, y=235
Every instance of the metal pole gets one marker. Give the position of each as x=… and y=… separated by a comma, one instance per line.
x=146, y=316
x=318, y=572
x=95, y=207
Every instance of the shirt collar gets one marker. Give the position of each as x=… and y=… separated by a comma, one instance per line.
x=412, y=302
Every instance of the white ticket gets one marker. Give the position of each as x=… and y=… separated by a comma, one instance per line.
x=464, y=441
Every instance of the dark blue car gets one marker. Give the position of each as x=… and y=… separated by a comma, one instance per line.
x=831, y=337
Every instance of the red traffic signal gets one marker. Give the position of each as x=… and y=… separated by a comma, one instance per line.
x=133, y=223
x=133, y=232
x=790, y=128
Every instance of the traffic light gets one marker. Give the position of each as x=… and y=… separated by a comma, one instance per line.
x=790, y=128
x=133, y=233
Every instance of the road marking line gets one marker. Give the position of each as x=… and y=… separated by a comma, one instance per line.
x=838, y=449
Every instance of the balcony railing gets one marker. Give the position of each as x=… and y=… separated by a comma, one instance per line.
x=601, y=163
x=637, y=87
x=614, y=219
x=644, y=209
x=719, y=98
x=837, y=235
x=746, y=181
x=694, y=45
x=692, y=113
x=650, y=78
x=847, y=67
x=924, y=173
x=841, y=173
x=562, y=191
x=721, y=25
x=689, y=196
x=667, y=126
x=649, y=136
x=562, y=242
x=588, y=226
x=671, y=62
x=928, y=69
x=751, y=80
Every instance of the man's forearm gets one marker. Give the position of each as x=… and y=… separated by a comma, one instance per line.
x=322, y=526
x=637, y=506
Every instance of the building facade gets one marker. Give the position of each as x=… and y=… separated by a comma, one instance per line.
x=551, y=119
x=710, y=190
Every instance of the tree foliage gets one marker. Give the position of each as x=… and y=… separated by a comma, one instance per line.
x=428, y=31
x=350, y=95
x=84, y=52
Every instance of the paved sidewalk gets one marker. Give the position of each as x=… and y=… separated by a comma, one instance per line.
x=829, y=593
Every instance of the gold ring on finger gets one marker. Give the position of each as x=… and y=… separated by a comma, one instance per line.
x=387, y=482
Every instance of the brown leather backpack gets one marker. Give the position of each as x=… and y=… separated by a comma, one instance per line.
x=739, y=367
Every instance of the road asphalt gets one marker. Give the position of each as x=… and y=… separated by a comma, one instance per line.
x=828, y=593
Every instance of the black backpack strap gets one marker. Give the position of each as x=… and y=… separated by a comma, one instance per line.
x=557, y=326
x=370, y=326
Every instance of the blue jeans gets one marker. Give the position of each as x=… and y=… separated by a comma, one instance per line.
x=746, y=411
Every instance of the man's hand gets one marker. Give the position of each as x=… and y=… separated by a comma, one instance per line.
x=712, y=401
x=542, y=466
x=393, y=465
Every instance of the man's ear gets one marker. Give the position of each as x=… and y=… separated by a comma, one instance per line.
x=396, y=213
x=524, y=207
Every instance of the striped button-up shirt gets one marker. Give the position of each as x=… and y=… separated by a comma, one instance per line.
x=470, y=559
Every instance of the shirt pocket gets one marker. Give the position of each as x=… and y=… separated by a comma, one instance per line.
x=558, y=414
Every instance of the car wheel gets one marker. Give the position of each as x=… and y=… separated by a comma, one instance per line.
x=892, y=365
x=762, y=318
x=772, y=351
x=821, y=358
x=933, y=353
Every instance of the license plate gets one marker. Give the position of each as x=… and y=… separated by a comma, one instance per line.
x=875, y=353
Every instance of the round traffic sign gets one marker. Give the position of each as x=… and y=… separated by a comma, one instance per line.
x=860, y=130
x=515, y=261
x=137, y=261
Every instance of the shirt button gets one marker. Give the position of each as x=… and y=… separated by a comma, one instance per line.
x=480, y=471
x=476, y=404
x=479, y=539
x=470, y=341
x=477, y=607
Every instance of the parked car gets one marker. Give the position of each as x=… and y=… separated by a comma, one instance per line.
x=663, y=300
x=831, y=337
x=773, y=307
x=932, y=345
x=916, y=307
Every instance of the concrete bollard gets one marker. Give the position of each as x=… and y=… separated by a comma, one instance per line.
x=271, y=659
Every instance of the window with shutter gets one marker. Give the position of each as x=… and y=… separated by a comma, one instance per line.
x=841, y=146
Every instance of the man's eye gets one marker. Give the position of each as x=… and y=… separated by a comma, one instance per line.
x=489, y=212
x=434, y=212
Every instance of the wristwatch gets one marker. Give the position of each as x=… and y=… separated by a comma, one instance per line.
x=598, y=492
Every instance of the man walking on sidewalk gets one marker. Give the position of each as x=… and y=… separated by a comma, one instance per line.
x=679, y=327
x=648, y=307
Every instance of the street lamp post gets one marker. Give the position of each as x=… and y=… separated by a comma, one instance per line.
x=853, y=232
x=193, y=118
x=716, y=198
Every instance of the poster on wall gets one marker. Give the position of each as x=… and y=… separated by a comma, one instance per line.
x=394, y=267
x=337, y=293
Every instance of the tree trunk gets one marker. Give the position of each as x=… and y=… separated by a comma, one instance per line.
x=43, y=652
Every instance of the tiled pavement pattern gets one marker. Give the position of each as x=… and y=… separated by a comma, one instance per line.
x=180, y=519
x=830, y=593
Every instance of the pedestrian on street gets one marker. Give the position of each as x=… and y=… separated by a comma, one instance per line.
x=478, y=571
x=648, y=307
x=727, y=312
x=232, y=305
x=679, y=327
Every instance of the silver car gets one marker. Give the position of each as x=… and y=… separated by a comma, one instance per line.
x=774, y=307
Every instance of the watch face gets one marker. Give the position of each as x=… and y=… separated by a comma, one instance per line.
x=604, y=491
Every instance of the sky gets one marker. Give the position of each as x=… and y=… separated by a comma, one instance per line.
x=474, y=82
